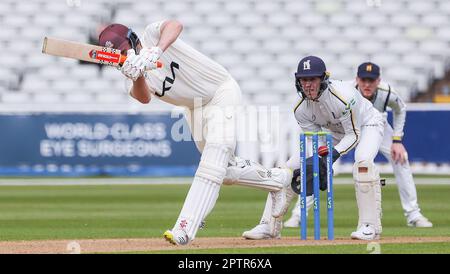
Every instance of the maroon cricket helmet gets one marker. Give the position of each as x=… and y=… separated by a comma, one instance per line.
x=118, y=36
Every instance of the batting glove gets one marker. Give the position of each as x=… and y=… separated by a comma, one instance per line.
x=131, y=67
x=149, y=58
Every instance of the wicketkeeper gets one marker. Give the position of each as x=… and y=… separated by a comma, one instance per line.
x=382, y=96
x=336, y=107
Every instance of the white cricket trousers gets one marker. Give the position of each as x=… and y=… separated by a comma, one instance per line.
x=403, y=177
x=213, y=128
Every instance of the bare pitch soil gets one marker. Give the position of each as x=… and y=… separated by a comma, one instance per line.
x=155, y=244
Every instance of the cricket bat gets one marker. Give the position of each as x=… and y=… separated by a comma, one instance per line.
x=84, y=52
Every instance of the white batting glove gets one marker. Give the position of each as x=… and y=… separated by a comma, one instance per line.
x=149, y=58
x=131, y=66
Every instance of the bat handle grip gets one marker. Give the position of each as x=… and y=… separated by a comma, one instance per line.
x=159, y=64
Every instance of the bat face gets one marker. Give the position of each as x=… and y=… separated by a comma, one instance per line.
x=85, y=52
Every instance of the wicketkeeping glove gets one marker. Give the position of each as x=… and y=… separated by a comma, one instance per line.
x=295, y=184
x=131, y=66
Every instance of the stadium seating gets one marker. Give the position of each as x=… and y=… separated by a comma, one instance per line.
x=261, y=48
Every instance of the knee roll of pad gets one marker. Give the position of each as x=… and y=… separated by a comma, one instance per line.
x=237, y=168
x=248, y=173
x=210, y=172
x=363, y=187
x=365, y=171
x=213, y=163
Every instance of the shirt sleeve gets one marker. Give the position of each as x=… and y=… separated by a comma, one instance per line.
x=351, y=127
x=152, y=34
x=399, y=115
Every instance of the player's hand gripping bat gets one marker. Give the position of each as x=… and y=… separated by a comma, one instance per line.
x=84, y=52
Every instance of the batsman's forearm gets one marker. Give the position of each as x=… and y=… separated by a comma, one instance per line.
x=399, y=118
x=169, y=33
x=140, y=91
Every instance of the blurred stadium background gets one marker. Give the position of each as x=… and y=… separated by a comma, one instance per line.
x=60, y=117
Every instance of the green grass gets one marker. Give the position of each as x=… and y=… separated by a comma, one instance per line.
x=409, y=248
x=140, y=211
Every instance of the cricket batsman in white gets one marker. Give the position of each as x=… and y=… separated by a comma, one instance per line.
x=336, y=107
x=382, y=95
x=211, y=97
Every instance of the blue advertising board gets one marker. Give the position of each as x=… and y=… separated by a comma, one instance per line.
x=95, y=144
x=151, y=144
x=426, y=137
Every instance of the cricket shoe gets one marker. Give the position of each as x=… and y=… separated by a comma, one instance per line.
x=176, y=237
x=202, y=225
x=282, y=198
x=420, y=221
x=365, y=232
x=265, y=231
x=294, y=221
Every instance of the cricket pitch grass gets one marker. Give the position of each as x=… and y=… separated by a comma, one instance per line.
x=131, y=218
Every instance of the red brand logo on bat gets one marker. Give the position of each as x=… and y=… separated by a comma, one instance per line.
x=183, y=224
x=104, y=56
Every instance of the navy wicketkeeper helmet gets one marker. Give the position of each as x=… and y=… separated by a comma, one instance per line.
x=311, y=66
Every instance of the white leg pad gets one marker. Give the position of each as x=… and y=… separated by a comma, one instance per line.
x=267, y=217
x=365, y=171
x=378, y=226
x=267, y=214
x=309, y=205
x=368, y=193
x=248, y=173
x=204, y=190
